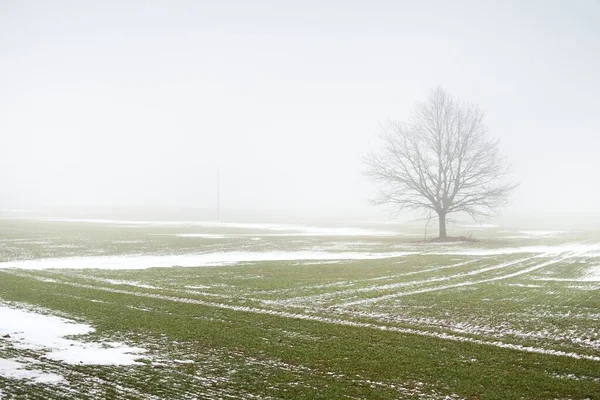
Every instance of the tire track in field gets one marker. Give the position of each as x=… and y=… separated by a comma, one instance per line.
x=355, y=282
x=342, y=322
x=311, y=299
x=456, y=285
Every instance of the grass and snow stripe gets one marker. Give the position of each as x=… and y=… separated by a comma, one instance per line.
x=30, y=330
x=338, y=321
x=456, y=285
x=190, y=260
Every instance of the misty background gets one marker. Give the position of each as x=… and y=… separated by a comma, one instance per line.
x=108, y=106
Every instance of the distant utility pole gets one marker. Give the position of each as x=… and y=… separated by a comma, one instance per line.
x=218, y=196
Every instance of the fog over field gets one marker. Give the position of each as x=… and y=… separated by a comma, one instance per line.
x=110, y=106
x=299, y=200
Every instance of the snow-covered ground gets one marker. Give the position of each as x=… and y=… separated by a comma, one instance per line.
x=283, y=229
x=190, y=260
x=52, y=336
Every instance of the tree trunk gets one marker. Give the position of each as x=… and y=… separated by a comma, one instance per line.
x=442, y=219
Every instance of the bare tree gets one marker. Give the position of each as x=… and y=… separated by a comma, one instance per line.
x=442, y=160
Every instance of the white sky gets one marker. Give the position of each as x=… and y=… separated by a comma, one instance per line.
x=121, y=104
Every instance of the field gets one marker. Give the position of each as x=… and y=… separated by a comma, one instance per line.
x=157, y=310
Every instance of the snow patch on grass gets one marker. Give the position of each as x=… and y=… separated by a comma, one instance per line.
x=129, y=283
x=573, y=249
x=189, y=260
x=593, y=274
x=201, y=235
x=297, y=229
x=525, y=285
x=17, y=369
x=31, y=330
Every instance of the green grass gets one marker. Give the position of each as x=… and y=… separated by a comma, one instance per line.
x=285, y=330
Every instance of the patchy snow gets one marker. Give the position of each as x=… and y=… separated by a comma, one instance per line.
x=66, y=246
x=576, y=377
x=300, y=232
x=311, y=299
x=345, y=246
x=129, y=283
x=17, y=369
x=593, y=274
x=46, y=333
x=325, y=262
x=575, y=249
x=522, y=271
x=47, y=280
x=319, y=231
x=535, y=234
x=525, y=285
x=184, y=361
x=201, y=235
x=299, y=229
x=542, y=233
x=189, y=260
x=342, y=322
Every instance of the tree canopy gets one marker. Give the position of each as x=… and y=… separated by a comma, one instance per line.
x=442, y=160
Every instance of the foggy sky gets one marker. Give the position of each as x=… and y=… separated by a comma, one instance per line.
x=137, y=104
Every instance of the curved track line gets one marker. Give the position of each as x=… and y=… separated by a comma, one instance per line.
x=337, y=321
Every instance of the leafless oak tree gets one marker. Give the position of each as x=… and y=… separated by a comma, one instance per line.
x=442, y=160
